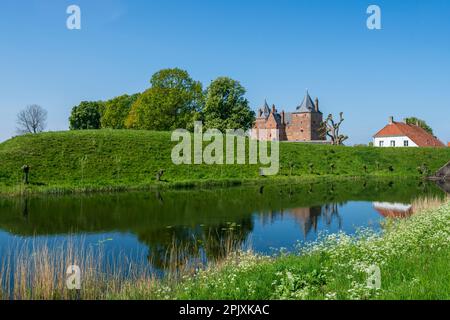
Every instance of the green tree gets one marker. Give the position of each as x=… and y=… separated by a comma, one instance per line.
x=117, y=111
x=226, y=106
x=173, y=101
x=86, y=115
x=420, y=123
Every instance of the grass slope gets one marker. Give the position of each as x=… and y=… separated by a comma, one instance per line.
x=124, y=159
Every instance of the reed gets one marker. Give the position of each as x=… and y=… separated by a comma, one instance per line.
x=422, y=204
x=36, y=269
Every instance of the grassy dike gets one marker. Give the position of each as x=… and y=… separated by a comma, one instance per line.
x=115, y=160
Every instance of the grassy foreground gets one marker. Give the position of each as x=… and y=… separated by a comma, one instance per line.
x=412, y=255
x=114, y=160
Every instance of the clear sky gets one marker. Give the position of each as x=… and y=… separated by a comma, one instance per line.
x=276, y=49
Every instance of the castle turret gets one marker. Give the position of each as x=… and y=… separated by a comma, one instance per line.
x=266, y=109
x=307, y=104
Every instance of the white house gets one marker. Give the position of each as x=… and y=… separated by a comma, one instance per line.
x=401, y=135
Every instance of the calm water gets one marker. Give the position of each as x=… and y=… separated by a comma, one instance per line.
x=145, y=225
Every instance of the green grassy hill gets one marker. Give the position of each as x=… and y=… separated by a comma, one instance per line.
x=125, y=159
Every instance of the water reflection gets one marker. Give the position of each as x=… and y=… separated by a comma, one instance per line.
x=393, y=210
x=307, y=218
x=173, y=227
x=444, y=185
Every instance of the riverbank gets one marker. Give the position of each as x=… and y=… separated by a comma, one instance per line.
x=411, y=254
x=122, y=160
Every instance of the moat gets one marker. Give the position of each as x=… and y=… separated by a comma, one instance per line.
x=145, y=226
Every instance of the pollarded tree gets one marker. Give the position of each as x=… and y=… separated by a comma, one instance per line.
x=173, y=102
x=31, y=120
x=226, y=106
x=331, y=128
x=117, y=111
x=86, y=115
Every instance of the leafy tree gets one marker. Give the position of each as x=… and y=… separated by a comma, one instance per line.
x=31, y=120
x=86, y=115
x=173, y=101
x=226, y=106
x=117, y=110
x=420, y=123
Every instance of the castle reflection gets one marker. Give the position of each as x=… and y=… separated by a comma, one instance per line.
x=308, y=218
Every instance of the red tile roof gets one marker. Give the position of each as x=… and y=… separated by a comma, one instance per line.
x=418, y=135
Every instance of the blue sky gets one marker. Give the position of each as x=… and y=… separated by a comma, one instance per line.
x=276, y=49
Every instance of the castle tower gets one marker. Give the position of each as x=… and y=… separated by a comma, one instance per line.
x=306, y=121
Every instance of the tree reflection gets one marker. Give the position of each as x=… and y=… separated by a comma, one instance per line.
x=178, y=248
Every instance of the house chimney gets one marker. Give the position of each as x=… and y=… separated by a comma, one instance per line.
x=317, y=104
x=391, y=120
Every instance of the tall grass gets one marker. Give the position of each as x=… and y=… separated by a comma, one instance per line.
x=36, y=270
x=423, y=204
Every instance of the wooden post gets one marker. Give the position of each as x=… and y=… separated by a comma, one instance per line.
x=26, y=172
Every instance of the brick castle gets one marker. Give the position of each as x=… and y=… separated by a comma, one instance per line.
x=302, y=125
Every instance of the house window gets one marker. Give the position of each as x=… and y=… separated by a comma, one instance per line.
x=381, y=143
x=392, y=143
x=406, y=143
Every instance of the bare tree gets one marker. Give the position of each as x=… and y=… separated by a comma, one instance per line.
x=32, y=119
x=331, y=128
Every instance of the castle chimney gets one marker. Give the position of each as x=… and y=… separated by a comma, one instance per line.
x=282, y=117
x=317, y=104
x=391, y=120
x=273, y=109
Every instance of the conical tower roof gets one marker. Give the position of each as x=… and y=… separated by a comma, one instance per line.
x=266, y=109
x=307, y=105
